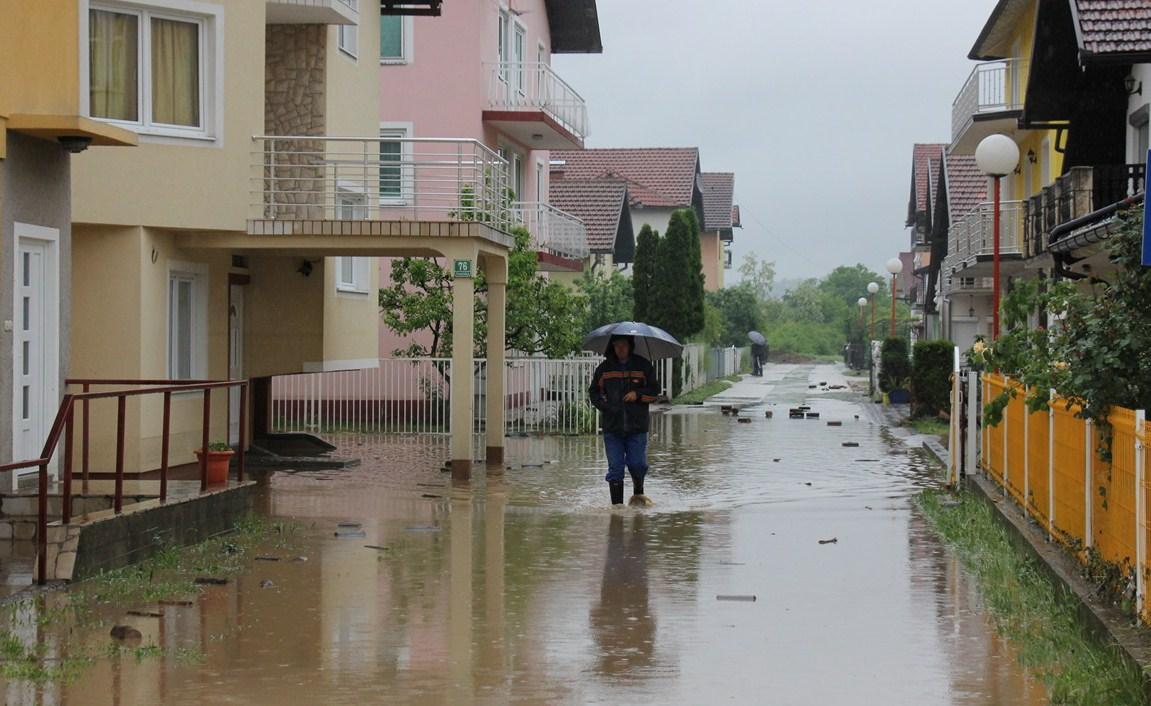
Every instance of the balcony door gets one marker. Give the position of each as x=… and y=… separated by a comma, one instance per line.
x=36, y=339
x=235, y=357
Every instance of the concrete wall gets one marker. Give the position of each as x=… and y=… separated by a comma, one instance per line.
x=39, y=57
x=33, y=190
x=657, y=218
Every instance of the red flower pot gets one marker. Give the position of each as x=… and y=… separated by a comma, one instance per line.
x=218, y=463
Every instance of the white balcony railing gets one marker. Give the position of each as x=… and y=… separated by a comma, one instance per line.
x=553, y=230
x=387, y=179
x=534, y=86
x=992, y=87
x=973, y=235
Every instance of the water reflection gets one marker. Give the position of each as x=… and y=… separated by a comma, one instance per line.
x=623, y=623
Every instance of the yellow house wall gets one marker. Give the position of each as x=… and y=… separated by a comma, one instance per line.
x=284, y=316
x=351, y=321
x=39, y=64
x=185, y=183
x=1033, y=141
x=711, y=250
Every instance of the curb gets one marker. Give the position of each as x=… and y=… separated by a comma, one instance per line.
x=1106, y=623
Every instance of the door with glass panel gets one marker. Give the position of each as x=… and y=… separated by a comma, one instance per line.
x=35, y=355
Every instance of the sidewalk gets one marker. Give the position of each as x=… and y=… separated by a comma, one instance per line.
x=748, y=392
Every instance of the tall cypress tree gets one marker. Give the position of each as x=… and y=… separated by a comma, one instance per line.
x=643, y=278
x=672, y=301
x=695, y=308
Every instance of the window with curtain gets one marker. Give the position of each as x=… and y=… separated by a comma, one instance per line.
x=146, y=69
x=392, y=45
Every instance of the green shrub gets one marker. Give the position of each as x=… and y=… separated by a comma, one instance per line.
x=931, y=366
x=895, y=370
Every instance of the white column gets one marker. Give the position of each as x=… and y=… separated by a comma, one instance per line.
x=463, y=380
x=496, y=272
x=972, y=422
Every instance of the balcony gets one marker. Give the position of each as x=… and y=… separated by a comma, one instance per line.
x=991, y=101
x=1079, y=192
x=971, y=240
x=320, y=12
x=377, y=186
x=559, y=237
x=535, y=107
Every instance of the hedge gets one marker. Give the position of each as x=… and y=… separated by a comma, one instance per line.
x=931, y=366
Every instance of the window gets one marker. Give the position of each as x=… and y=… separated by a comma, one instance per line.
x=147, y=68
x=515, y=171
x=352, y=274
x=347, y=35
x=187, y=322
x=519, y=43
x=395, y=39
x=395, y=164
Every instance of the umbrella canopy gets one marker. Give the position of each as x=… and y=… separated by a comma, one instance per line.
x=651, y=342
x=756, y=337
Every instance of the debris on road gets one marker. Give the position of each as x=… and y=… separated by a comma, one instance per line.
x=746, y=598
x=851, y=444
x=833, y=540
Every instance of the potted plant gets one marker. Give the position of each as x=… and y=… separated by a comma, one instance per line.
x=219, y=459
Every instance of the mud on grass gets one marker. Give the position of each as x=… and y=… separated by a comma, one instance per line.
x=78, y=619
x=1038, y=617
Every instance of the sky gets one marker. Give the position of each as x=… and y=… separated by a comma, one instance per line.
x=815, y=106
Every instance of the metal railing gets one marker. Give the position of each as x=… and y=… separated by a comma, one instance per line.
x=535, y=86
x=1079, y=192
x=992, y=87
x=64, y=426
x=414, y=395
x=379, y=178
x=973, y=235
x=553, y=230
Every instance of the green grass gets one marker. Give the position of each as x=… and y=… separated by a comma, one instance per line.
x=699, y=394
x=1038, y=617
x=929, y=426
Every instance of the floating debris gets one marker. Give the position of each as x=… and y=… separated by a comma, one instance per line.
x=744, y=420
x=813, y=415
x=835, y=424
x=430, y=495
x=421, y=529
x=776, y=460
x=747, y=598
x=768, y=414
x=377, y=547
x=851, y=444
x=209, y=581
x=833, y=540
x=126, y=633
x=146, y=613
x=267, y=558
x=267, y=583
x=174, y=602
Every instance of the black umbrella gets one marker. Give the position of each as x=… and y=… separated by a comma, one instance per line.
x=756, y=337
x=651, y=342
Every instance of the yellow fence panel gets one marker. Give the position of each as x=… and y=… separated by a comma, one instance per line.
x=992, y=458
x=1115, y=523
x=1013, y=416
x=1071, y=487
x=1038, y=482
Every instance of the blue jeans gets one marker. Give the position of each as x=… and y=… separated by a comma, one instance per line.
x=625, y=450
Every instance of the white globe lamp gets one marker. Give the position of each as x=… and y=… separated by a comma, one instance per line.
x=996, y=156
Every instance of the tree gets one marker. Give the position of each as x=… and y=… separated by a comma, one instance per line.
x=695, y=292
x=740, y=311
x=643, y=273
x=606, y=299
x=675, y=307
x=542, y=316
x=759, y=274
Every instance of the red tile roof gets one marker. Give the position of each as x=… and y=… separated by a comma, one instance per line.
x=718, y=193
x=922, y=155
x=599, y=203
x=1113, y=26
x=661, y=176
x=966, y=185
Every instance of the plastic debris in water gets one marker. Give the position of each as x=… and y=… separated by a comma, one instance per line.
x=749, y=598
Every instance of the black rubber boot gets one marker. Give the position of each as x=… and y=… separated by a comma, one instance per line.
x=616, y=488
x=636, y=484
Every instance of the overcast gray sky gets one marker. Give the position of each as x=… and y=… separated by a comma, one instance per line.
x=813, y=104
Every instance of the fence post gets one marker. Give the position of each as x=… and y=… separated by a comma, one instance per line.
x=1140, y=515
x=1051, y=465
x=973, y=386
x=1088, y=481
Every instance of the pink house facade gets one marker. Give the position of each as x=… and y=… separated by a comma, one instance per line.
x=481, y=72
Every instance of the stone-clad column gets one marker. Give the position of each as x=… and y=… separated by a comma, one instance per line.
x=496, y=271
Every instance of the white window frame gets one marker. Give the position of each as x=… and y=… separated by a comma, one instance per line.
x=503, y=47
x=209, y=19
x=197, y=274
x=407, y=42
x=348, y=36
x=518, y=48
x=399, y=131
x=358, y=284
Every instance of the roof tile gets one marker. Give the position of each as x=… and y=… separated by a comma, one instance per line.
x=718, y=193
x=596, y=202
x=660, y=176
x=1115, y=26
x=921, y=179
x=966, y=185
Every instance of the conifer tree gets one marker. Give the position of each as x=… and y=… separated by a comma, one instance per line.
x=677, y=302
x=643, y=276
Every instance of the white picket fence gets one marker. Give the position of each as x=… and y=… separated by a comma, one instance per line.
x=414, y=394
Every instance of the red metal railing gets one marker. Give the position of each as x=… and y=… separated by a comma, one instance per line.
x=63, y=425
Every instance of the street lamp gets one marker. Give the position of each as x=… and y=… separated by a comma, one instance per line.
x=872, y=288
x=996, y=157
x=894, y=266
x=862, y=302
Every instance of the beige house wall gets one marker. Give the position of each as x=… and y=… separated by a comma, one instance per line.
x=284, y=316
x=39, y=63
x=351, y=322
x=711, y=250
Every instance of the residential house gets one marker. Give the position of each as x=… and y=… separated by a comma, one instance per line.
x=659, y=180
x=720, y=218
x=602, y=205
x=963, y=303
x=239, y=239
x=44, y=134
x=925, y=165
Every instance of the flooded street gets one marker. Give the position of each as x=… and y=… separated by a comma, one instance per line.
x=525, y=587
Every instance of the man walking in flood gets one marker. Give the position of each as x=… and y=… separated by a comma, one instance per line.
x=621, y=389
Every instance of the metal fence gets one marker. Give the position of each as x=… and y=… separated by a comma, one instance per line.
x=526, y=85
x=992, y=87
x=1047, y=462
x=553, y=230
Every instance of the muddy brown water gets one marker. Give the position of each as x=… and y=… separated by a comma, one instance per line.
x=523, y=587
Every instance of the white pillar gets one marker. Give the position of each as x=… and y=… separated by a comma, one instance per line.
x=972, y=422
x=463, y=379
x=496, y=273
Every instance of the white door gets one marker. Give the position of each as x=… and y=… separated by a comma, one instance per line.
x=235, y=358
x=36, y=359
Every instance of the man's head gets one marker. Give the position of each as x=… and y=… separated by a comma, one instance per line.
x=622, y=346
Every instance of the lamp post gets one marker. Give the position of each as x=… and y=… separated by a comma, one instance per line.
x=894, y=266
x=872, y=288
x=996, y=156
